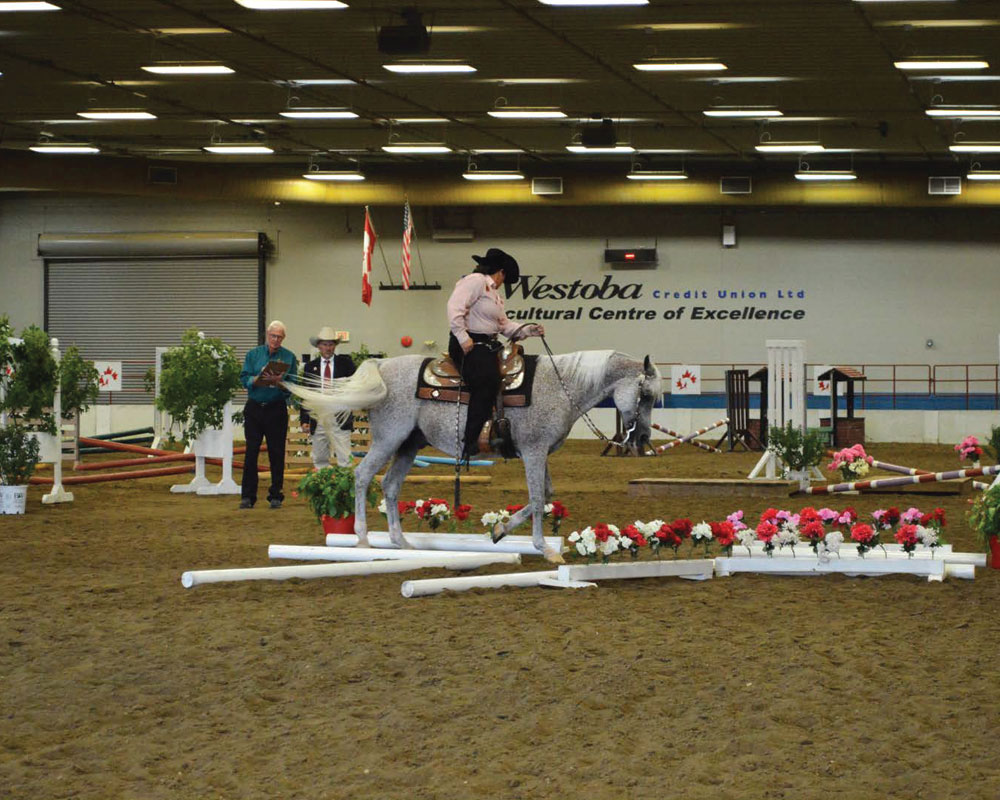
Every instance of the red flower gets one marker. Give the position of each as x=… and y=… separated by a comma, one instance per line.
x=668, y=536
x=637, y=539
x=769, y=515
x=294, y=493
x=807, y=515
x=513, y=509
x=907, y=536
x=404, y=505
x=891, y=517
x=812, y=531
x=602, y=532
x=682, y=527
x=862, y=534
x=559, y=511
x=766, y=531
x=462, y=512
x=723, y=533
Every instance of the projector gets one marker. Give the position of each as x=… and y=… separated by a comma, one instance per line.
x=403, y=40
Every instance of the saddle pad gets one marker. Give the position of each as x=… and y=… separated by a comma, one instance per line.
x=515, y=398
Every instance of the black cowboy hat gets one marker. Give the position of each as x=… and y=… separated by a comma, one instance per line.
x=496, y=259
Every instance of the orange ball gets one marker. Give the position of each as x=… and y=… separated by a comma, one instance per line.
x=406, y=341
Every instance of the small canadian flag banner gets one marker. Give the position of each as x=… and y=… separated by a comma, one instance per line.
x=685, y=379
x=366, y=260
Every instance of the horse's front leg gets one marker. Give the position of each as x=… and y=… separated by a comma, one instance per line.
x=536, y=473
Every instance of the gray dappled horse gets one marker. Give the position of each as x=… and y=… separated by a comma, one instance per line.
x=401, y=424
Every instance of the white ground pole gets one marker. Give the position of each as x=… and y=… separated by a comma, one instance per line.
x=349, y=569
x=49, y=445
x=422, y=588
x=471, y=542
x=786, y=393
x=318, y=553
x=213, y=443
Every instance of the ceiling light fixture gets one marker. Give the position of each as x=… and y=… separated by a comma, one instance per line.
x=603, y=149
x=680, y=65
x=318, y=113
x=964, y=112
x=975, y=147
x=789, y=147
x=594, y=2
x=525, y=112
x=61, y=148
x=826, y=175
x=24, y=5
x=188, y=68
x=237, y=149
x=473, y=174
x=420, y=121
x=954, y=63
x=429, y=67
x=977, y=174
x=189, y=31
x=657, y=175
x=334, y=175
x=291, y=5
x=318, y=82
x=489, y=151
x=742, y=112
x=130, y=114
x=416, y=148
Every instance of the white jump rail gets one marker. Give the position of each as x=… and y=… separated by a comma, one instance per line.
x=431, y=560
x=578, y=575
x=934, y=571
x=429, y=586
x=316, y=553
x=472, y=542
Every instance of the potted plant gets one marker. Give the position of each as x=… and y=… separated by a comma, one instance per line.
x=799, y=450
x=984, y=519
x=18, y=456
x=197, y=380
x=330, y=494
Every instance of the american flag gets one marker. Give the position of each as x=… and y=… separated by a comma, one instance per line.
x=407, y=236
x=366, y=260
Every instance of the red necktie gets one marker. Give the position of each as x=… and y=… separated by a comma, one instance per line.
x=326, y=372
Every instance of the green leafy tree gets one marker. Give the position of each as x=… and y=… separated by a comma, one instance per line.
x=330, y=491
x=984, y=516
x=18, y=455
x=29, y=391
x=197, y=379
x=797, y=449
x=79, y=382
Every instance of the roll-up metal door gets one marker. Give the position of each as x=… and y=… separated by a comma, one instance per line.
x=122, y=309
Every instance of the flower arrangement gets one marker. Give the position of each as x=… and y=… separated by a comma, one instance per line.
x=865, y=536
x=724, y=535
x=984, y=516
x=885, y=519
x=701, y=534
x=330, y=492
x=601, y=539
x=766, y=531
x=811, y=527
x=433, y=511
x=969, y=449
x=632, y=539
x=853, y=462
x=907, y=538
x=557, y=512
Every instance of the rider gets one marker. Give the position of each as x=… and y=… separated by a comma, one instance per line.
x=476, y=316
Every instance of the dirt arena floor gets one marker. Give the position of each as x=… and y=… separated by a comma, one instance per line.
x=119, y=683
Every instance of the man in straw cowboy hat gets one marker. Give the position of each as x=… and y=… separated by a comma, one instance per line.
x=319, y=372
x=475, y=317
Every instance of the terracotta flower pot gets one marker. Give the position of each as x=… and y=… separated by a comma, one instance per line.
x=338, y=524
x=994, y=552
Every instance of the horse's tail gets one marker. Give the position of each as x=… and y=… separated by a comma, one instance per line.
x=332, y=405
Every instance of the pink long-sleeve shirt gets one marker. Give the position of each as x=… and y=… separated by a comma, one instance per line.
x=475, y=306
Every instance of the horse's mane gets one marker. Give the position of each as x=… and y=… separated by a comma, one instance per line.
x=586, y=368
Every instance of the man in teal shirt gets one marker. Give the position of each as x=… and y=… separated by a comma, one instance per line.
x=266, y=412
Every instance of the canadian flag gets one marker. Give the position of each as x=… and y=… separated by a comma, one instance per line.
x=366, y=260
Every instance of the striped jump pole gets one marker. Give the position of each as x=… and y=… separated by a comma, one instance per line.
x=891, y=467
x=677, y=435
x=688, y=439
x=882, y=483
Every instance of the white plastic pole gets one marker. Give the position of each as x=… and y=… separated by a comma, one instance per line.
x=422, y=588
x=197, y=577
x=477, y=543
x=311, y=553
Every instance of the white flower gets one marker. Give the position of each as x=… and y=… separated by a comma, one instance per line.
x=833, y=541
x=927, y=536
x=382, y=506
x=648, y=529
x=548, y=509
x=574, y=536
x=589, y=537
x=418, y=504
x=609, y=545
x=491, y=518
x=702, y=532
x=747, y=537
x=439, y=510
x=786, y=536
x=581, y=548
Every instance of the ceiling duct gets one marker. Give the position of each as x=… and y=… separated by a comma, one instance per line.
x=409, y=39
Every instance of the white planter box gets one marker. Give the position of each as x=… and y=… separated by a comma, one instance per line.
x=13, y=499
x=212, y=443
x=786, y=565
x=699, y=569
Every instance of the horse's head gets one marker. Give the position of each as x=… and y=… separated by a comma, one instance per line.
x=634, y=397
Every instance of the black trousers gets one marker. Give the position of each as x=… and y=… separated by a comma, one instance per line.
x=481, y=372
x=265, y=421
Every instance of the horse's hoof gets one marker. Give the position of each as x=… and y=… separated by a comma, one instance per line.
x=496, y=536
x=553, y=556
x=362, y=542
